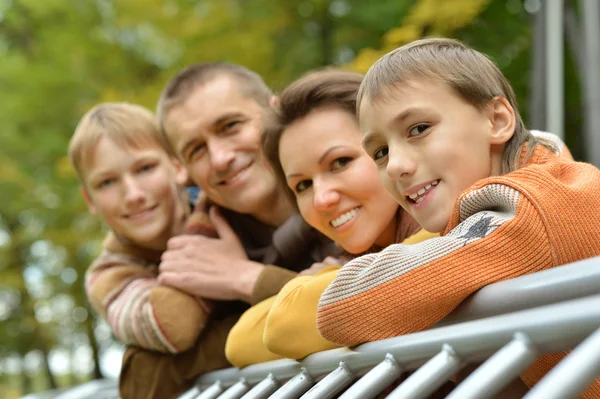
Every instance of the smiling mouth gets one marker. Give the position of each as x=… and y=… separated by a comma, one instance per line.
x=141, y=214
x=233, y=178
x=345, y=218
x=417, y=197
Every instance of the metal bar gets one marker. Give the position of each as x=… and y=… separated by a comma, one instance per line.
x=573, y=374
x=263, y=389
x=555, y=67
x=498, y=371
x=430, y=376
x=236, y=391
x=212, y=392
x=590, y=11
x=375, y=381
x=332, y=384
x=295, y=387
x=558, y=284
x=537, y=98
x=551, y=328
x=191, y=394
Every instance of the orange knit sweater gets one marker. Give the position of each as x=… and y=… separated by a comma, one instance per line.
x=542, y=215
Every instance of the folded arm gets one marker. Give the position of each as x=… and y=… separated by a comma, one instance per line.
x=403, y=289
x=140, y=311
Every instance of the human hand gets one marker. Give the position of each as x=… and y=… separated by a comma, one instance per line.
x=215, y=268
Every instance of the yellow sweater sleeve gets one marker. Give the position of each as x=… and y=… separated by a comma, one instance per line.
x=291, y=328
x=285, y=325
x=245, y=340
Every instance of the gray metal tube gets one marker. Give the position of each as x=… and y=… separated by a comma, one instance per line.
x=430, y=376
x=263, y=389
x=537, y=97
x=551, y=328
x=573, y=374
x=212, y=392
x=375, y=381
x=554, y=66
x=191, y=394
x=236, y=391
x=332, y=384
x=590, y=11
x=498, y=371
x=295, y=387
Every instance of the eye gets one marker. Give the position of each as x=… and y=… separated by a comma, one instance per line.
x=340, y=163
x=230, y=125
x=105, y=183
x=380, y=153
x=196, y=149
x=303, y=185
x=146, y=168
x=417, y=130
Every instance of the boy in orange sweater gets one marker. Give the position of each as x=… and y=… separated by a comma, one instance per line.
x=131, y=180
x=442, y=124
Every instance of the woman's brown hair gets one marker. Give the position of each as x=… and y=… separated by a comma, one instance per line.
x=317, y=90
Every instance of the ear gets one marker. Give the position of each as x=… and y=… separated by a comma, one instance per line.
x=274, y=101
x=181, y=174
x=503, y=120
x=88, y=200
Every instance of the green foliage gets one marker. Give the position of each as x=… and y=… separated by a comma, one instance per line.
x=61, y=57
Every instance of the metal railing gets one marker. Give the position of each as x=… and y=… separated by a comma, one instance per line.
x=505, y=325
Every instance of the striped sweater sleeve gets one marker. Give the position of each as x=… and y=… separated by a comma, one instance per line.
x=125, y=291
x=497, y=234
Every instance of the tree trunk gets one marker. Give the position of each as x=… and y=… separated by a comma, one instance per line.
x=89, y=329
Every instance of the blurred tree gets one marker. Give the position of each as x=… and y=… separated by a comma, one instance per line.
x=60, y=57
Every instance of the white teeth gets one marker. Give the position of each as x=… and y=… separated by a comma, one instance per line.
x=337, y=222
x=416, y=197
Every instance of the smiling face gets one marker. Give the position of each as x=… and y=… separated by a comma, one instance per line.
x=136, y=191
x=430, y=145
x=335, y=182
x=216, y=132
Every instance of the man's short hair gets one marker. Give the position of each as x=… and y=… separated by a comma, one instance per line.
x=127, y=125
x=469, y=73
x=180, y=87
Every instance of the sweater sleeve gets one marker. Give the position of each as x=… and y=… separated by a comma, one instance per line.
x=291, y=328
x=245, y=340
x=140, y=311
x=291, y=325
x=270, y=282
x=498, y=234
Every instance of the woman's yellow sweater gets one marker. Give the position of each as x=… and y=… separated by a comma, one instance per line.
x=285, y=325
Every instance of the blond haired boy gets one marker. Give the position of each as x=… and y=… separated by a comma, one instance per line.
x=442, y=124
x=130, y=178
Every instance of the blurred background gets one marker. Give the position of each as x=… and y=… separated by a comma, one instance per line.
x=60, y=57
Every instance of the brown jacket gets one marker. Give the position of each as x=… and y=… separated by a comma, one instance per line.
x=293, y=246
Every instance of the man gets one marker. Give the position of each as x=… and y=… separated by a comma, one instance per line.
x=213, y=116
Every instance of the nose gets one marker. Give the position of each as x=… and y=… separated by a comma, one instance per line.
x=401, y=164
x=133, y=192
x=221, y=155
x=325, y=195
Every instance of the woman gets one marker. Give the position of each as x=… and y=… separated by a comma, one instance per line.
x=313, y=143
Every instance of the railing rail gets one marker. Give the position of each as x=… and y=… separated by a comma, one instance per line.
x=505, y=325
